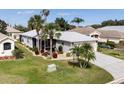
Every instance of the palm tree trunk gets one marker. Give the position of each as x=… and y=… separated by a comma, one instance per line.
x=44, y=45
x=38, y=44
x=51, y=43
x=80, y=65
x=79, y=62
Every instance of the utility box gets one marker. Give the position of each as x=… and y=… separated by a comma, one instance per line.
x=51, y=68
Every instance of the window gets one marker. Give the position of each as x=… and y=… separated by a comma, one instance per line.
x=7, y=46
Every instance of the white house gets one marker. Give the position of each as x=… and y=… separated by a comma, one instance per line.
x=12, y=32
x=67, y=40
x=7, y=45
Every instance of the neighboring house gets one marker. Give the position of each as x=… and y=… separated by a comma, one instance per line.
x=111, y=33
x=67, y=40
x=7, y=45
x=89, y=31
x=13, y=32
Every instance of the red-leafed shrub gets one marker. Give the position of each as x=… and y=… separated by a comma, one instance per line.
x=55, y=55
x=6, y=57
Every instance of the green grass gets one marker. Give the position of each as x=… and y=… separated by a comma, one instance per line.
x=113, y=53
x=33, y=70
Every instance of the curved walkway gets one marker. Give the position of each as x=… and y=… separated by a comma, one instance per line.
x=111, y=64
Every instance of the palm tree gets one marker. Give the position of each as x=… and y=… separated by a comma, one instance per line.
x=51, y=33
x=44, y=15
x=76, y=51
x=87, y=53
x=38, y=25
x=77, y=20
x=31, y=23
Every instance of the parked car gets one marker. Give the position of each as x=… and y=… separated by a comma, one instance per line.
x=104, y=46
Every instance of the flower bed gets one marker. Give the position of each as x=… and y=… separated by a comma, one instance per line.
x=7, y=57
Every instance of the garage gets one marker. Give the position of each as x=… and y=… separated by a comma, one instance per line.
x=68, y=39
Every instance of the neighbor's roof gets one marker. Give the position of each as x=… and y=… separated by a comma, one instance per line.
x=111, y=34
x=31, y=33
x=3, y=36
x=84, y=30
x=12, y=30
x=74, y=37
x=116, y=28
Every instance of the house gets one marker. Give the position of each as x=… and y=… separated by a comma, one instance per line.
x=89, y=31
x=7, y=45
x=111, y=33
x=66, y=40
x=12, y=32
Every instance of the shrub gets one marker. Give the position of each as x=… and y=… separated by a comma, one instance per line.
x=45, y=54
x=111, y=44
x=121, y=42
x=31, y=48
x=55, y=55
x=68, y=54
x=99, y=49
x=18, y=53
x=42, y=51
x=36, y=50
x=60, y=49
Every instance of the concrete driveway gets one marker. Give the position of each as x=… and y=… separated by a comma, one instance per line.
x=113, y=65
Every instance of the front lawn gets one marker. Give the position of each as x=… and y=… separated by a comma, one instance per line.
x=33, y=69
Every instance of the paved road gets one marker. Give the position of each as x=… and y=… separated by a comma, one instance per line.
x=113, y=65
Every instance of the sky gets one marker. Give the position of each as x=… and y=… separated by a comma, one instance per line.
x=91, y=16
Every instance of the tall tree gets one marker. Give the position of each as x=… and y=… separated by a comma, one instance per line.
x=21, y=28
x=31, y=24
x=51, y=33
x=3, y=26
x=37, y=24
x=44, y=14
x=61, y=24
x=77, y=20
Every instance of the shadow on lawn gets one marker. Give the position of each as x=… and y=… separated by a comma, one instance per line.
x=75, y=63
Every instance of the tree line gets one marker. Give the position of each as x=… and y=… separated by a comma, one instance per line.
x=109, y=23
